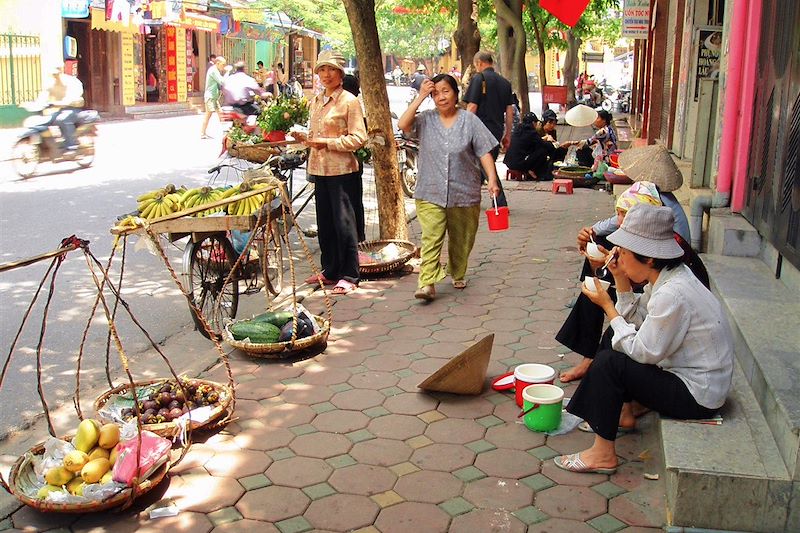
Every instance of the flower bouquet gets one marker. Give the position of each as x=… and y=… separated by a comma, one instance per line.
x=281, y=115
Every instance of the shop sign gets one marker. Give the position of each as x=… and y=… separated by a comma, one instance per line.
x=709, y=45
x=636, y=19
x=128, y=71
x=74, y=9
x=180, y=63
x=172, y=64
x=197, y=5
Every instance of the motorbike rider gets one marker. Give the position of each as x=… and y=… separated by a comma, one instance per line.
x=240, y=90
x=65, y=92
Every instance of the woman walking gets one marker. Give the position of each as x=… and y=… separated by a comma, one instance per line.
x=453, y=145
x=336, y=130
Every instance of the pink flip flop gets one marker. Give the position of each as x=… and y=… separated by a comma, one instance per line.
x=344, y=287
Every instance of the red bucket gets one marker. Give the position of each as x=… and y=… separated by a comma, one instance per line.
x=497, y=217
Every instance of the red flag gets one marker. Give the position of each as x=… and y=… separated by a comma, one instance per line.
x=567, y=11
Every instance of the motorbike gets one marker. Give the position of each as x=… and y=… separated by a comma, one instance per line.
x=407, y=152
x=42, y=141
x=618, y=101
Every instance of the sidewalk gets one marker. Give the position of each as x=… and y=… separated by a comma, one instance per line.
x=345, y=441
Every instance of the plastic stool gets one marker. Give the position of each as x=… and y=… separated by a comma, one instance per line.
x=567, y=184
x=514, y=175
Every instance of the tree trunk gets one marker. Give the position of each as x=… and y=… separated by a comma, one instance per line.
x=571, y=67
x=391, y=204
x=467, y=36
x=511, y=41
x=537, y=33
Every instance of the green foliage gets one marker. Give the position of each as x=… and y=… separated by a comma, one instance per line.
x=601, y=20
x=284, y=113
x=325, y=16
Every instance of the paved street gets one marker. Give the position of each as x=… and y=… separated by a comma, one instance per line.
x=345, y=441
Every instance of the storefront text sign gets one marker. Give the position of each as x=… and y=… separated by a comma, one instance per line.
x=128, y=70
x=180, y=63
x=709, y=44
x=74, y=9
x=172, y=65
x=636, y=19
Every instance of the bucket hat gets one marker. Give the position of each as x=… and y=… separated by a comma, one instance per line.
x=330, y=58
x=652, y=163
x=421, y=67
x=647, y=230
x=580, y=116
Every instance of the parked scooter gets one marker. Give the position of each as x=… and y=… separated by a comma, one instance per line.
x=618, y=101
x=42, y=141
x=407, y=152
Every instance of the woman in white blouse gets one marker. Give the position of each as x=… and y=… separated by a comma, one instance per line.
x=672, y=346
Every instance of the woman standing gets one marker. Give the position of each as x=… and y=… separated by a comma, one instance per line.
x=452, y=145
x=336, y=130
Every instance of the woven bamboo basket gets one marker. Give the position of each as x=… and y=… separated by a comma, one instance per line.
x=170, y=429
x=577, y=175
x=255, y=153
x=120, y=499
x=278, y=350
x=408, y=250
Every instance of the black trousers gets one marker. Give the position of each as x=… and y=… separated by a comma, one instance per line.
x=336, y=223
x=501, y=198
x=355, y=190
x=614, y=378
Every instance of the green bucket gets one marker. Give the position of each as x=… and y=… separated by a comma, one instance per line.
x=541, y=406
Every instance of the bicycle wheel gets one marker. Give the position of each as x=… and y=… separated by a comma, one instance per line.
x=207, y=263
x=273, y=256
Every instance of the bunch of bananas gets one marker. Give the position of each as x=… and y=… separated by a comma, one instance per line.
x=160, y=202
x=251, y=204
x=201, y=196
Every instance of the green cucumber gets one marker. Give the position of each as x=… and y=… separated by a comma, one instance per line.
x=276, y=318
x=257, y=332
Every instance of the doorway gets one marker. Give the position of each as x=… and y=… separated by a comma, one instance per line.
x=152, y=61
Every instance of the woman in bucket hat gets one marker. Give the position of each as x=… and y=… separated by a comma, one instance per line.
x=336, y=129
x=672, y=349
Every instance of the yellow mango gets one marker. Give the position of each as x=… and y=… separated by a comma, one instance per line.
x=112, y=457
x=47, y=489
x=94, y=470
x=98, y=453
x=58, y=475
x=75, y=486
x=87, y=435
x=109, y=436
x=75, y=460
x=107, y=478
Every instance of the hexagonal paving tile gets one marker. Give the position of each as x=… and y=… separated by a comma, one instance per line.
x=574, y=503
x=498, y=493
x=258, y=389
x=514, y=436
x=400, y=427
x=207, y=493
x=373, y=380
x=487, y=520
x=246, y=526
x=428, y=487
x=340, y=421
x=381, y=452
x=28, y=518
x=443, y=457
x=321, y=445
x=563, y=477
x=571, y=442
x=273, y=504
x=364, y=480
x=512, y=464
x=454, y=431
x=238, y=464
x=289, y=414
x=299, y=471
x=410, y=403
x=387, y=362
x=264, y=439
x=472, y=408
x=357, y=399
x=560, y=525
x=342, y=512
x=410, y=516
x=317, y=374
x=306, y=393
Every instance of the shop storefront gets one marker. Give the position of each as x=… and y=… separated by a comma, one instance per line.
x=303, y=53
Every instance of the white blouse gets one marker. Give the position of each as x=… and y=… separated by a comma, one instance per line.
x=678, y=325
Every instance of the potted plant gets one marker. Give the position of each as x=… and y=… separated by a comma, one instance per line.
x=280, y=115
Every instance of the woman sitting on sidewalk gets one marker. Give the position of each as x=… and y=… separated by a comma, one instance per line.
x=452, y=143
x=672, y=346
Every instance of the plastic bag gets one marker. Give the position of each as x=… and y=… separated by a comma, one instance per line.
x=155, y=451
x=571, y=159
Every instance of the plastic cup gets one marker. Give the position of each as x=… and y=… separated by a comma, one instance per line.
x=531, y=374
x=542, y=407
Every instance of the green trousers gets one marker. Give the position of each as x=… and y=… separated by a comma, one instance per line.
x=461, y=225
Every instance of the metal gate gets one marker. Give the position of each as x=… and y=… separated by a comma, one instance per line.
x=20, y=74
x=773, y=203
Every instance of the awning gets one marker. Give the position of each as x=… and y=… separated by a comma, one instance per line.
x=99, y=22
x=196, y=21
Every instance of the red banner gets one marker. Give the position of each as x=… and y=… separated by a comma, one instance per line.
x=172, y=65
x=567, y=11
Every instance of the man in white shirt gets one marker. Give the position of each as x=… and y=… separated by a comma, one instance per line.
x=240, y=90
x=66, y=92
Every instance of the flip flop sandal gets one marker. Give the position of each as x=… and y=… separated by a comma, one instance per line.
x=427, y=293
x=573, y=463
x=586, y=428
x=460, y=283
x=314, y=280
x=344, y=287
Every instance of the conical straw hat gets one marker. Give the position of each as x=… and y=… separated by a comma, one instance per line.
x=652, y=163
x=465, y=373
x=580, y=116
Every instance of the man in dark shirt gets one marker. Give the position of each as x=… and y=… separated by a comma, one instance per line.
x=419, y=77
x=489, y=96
